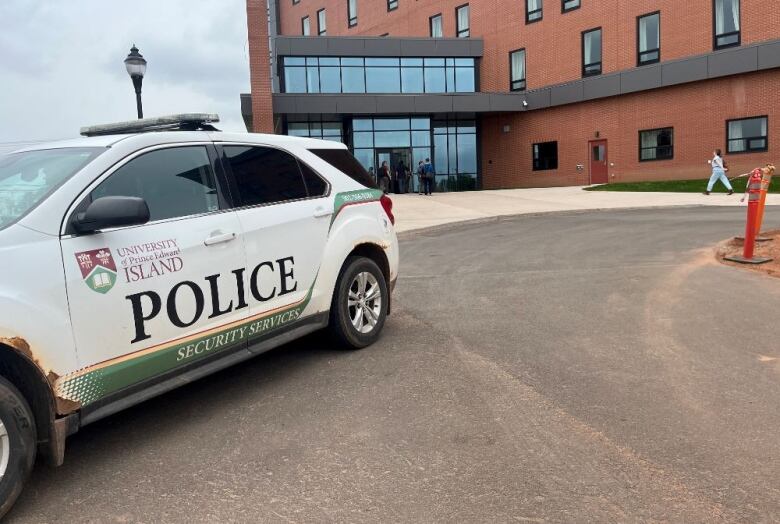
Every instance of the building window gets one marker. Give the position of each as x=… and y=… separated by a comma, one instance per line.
x=656, y=144
x=305, y=26
x=392, y=5
x=322, y=25
x=437, y=31
x=517, y=70
x=648, y=31
x=569, y=5
x=545, y=156
x=533, y=11
x=747, y=135
x=591, y=52
x=462, y=18
x=323, y=130
x=726, y=21
x=352, y=12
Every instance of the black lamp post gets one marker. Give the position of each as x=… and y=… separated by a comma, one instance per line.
x=136, y=68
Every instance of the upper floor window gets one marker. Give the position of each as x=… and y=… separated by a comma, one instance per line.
x=392, y=5
x=569, y=5
x=656, y=144
x=305, y=26
x=322, y=23
x=545, y=156
x=517, y=67
x=726, y=14
x=352, y=12
x=746, y=135
x=462, y=20
x=591, y=52
x=533, y=11
x=437, y=31
x=648, y=39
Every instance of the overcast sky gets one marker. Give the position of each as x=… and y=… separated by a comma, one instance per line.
x=61, y=63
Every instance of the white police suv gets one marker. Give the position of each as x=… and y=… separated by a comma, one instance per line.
x=150, y=253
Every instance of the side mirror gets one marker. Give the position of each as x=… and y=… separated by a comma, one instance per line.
x=111, y=211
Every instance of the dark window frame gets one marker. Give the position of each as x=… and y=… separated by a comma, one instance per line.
x=639, y=53
x=657, y=147
x=320, y=31
x=430, y=25
x=565, y=9
x=458, y=30
x=392, y=5
x=537, y=166
x=748, y=150
x=600, y=63
x=512, y=81
x=715, y=34
x=528, y=14
x=352, y=21
x=304, y=19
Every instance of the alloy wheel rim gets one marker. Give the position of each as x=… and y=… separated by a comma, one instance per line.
x=364, y=302
x=5, y=449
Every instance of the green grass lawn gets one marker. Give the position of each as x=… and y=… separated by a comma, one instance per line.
x=679, y=186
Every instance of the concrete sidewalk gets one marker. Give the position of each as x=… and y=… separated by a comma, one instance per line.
x=413, y=211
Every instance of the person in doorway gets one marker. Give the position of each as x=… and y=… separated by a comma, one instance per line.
x=384, y=177
x=718, y=173
x=429, y=177
x=402, y=175
x=420, y=176
x=372, y=174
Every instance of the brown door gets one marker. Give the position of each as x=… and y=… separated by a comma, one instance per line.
x=599, y=170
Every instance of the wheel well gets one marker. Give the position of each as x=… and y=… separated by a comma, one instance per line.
x=31, y=383
x=375, y=253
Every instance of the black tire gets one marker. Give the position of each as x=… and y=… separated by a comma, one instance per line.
x=16, y=416
x=340, y=325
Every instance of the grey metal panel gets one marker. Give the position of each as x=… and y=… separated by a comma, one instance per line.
x=309, y=45
x=683, y=71
x=282, y=46
x=453, y=46
x=477, y=46
x=505, y=101
x=344, y=46
x=539, y=98
x=640, y=79
x=732, y=62
x=769, y=56
x=246, y=104
x=376, y=46
x=601, y=86
x=382, y=47
x=319, y=105
x=418, y=47
x=433, y=104
x=348, y=104
x=473, y=103
x=566, y=93
x=395, y=104
x=283, y=104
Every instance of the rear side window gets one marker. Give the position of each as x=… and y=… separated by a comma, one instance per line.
x=315, y=185
x=264, y=175
x=343, y=160
x=174, y=182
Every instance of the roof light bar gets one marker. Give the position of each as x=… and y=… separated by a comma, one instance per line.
x=182, y=122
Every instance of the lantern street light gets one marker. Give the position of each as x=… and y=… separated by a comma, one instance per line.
x=136, y=68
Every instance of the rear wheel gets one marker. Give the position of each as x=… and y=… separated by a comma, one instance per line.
x=359, y=307
x=17, y=444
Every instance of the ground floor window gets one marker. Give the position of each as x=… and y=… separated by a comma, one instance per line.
x=323, y=130
x=656, y=144
x=545, y=156
x=455, y=154
x=746, y=135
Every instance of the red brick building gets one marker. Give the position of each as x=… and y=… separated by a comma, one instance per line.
x=523, y=93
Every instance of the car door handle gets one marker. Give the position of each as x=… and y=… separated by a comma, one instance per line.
x=219, y=239
x=321, y=212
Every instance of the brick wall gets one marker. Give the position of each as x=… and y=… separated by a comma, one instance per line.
x=259, y=66
x=697, y=112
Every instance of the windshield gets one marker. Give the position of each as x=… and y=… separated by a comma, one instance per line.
x=28, y=178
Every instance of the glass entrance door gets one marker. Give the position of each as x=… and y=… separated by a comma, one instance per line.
x=399, y=160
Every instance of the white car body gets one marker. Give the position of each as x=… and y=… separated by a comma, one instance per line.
x=64, y=308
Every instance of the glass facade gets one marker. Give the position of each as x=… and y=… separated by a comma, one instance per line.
x=378, y=75
x=322, y=130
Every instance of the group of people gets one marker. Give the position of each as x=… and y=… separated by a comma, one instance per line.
x=400, y=179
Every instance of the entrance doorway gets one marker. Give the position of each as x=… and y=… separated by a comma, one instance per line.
x=394, y=156
x=599, y=169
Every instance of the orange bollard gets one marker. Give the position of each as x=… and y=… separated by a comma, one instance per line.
x=754, y=193
x=766, y=179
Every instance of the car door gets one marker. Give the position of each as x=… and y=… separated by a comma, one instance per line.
x=146, y=300
x=284, y=211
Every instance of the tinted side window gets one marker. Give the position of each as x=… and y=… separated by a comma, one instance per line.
x=315, y=185
x=264, y=175
x=174, y=182
x=343, y=160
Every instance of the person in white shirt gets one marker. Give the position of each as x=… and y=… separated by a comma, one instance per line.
x=718, y=173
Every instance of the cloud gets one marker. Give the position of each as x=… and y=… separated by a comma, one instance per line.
x=62, y=63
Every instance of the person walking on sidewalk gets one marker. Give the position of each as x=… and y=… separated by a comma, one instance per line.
x=429, y=176
x=384, y=177
x=718, y=173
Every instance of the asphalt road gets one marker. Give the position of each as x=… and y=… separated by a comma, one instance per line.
x=577, y=367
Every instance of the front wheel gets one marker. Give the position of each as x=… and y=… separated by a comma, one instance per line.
x=360, y=300
x=17, y=444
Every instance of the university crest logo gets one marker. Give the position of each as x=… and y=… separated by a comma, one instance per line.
x=97, y=269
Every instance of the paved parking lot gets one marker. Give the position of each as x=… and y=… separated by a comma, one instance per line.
x=569, y=367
